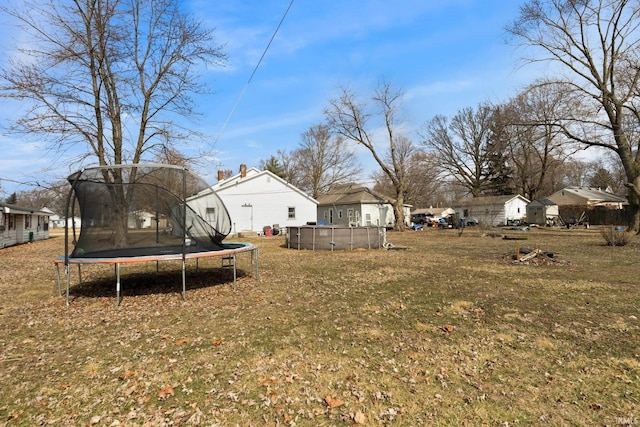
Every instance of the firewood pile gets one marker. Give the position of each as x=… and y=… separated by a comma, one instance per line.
x=527, y=256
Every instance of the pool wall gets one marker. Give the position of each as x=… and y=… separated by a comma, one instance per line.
x=335, y=237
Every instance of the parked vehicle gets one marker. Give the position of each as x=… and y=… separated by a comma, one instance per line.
x=421, y=218
x=471, y=221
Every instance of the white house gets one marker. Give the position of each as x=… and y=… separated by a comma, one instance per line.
x=256, y=199
x=21, y=225
x=355, y=206
x=493, y=210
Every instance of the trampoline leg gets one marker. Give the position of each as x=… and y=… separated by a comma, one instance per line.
x=234, y=272
x=68, y=274
x=257, y=259
x=117, y=284
x=58, y=279
x=184, y=280
x=79, y=275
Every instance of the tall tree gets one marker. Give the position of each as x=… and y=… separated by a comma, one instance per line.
x=111, y=75
x=529, y=134
x=463, y=146
x=323, y=160
x=354, y=119
x=424, y=185
x=593, y=47
x=273, y=165
x=107, y=75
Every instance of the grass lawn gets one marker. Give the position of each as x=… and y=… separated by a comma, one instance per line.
x=449, y=331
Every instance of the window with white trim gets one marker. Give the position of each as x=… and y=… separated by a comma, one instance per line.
x=291, y=214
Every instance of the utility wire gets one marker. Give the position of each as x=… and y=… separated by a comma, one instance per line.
x=244, y=89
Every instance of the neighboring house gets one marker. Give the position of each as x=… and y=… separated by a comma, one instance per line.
x=56, y=221
x=21, y=225
x=144, y=219
x=354, y=205
x=542, y=212
x=587, y=197
x=493, y=210
x=256, y=199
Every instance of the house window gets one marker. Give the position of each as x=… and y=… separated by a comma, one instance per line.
x=27, y=221
x=12, y=222
x=291, y=213
x=340, y=214
x=368, y=219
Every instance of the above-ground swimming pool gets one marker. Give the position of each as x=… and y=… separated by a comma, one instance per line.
x=335, y=237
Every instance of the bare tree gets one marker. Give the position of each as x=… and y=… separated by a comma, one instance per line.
x=593, y=47
x=107, y=75
x=111, y=75
x=528, y=130
x=462, y=146
x=352, y=118
x=323, y=160
x=424, y=186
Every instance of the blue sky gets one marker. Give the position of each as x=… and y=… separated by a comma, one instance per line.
x=444, y=55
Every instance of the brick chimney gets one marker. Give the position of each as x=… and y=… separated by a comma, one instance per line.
x=220, y=175
x=243, y=170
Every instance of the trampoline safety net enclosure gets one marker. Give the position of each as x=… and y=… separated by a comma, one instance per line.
x=144, y=212
x=141, y=210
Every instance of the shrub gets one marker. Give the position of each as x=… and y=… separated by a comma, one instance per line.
x=614, y=236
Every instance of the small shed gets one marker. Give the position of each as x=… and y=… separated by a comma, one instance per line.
x=493, y=210
x=542, y=212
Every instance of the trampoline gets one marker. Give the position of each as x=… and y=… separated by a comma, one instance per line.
x=145, y=213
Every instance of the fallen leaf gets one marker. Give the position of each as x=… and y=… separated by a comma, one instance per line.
x=448, y=328
x=333, y=403
x=165, y=392
x=360, y=418
x=182, y=341
x=127, y=374
x=217, y=341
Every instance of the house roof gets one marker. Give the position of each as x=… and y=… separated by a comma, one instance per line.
x=351, y=194
x=587, y=195
x=544, y=202
x=251, y=175
x=9, y=208
x=489, y=200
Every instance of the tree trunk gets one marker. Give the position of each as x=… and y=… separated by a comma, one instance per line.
x=398, y=211
x=634, y=205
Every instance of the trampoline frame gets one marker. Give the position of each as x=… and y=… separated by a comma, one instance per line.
x=228, y=255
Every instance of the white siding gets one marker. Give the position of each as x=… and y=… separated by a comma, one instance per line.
x=261, y=200
x=22, y=228
x=515, y=209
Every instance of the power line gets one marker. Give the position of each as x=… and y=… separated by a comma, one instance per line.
x=244, y=89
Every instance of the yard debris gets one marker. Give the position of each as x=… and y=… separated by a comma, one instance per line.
x=532, y=256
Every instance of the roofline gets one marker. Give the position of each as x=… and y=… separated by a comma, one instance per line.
x=221, y=185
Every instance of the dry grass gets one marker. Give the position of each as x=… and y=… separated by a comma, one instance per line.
x=448, y=332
